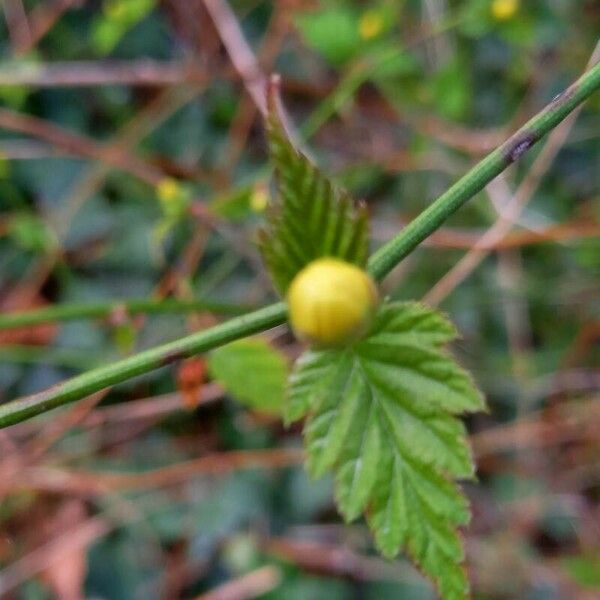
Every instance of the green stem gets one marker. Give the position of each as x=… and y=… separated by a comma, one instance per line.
x=380, y=264
x=70, y=312
x=102, y=377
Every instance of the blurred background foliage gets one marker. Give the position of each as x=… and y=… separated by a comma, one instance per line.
x=133, y=165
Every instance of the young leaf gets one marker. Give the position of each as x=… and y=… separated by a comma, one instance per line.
x=312, y=217
x=252, y=371
x=382, y=416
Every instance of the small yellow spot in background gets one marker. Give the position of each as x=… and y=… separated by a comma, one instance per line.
x=370, y=25
x=168, y=190
x=503, y=10
x=259, y=199
x=115, y=10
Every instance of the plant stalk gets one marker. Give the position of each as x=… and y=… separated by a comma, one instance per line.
x=102, y=377
x=71, y=312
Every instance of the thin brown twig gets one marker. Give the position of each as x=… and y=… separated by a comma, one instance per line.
x=534, y=431
x=583, y=342
x=148, y=408
x=24, y=293
x=336, y=560
x=502, y=226
x=245, y=63
x=190, y=257
x=94, y=483
x=230, y=233
x=59, y=425
x=146, y=411
x=247, y=586
x=79, y=145
x=475, y=141
x=531, y=429
x=175, y=281
x=122, y=144
x=22, y=149
x=239, y=51
x=77, y=538
x=447, y=237
x=16, y=23
x=529, y=432
x=140, y=72
x=242, y=122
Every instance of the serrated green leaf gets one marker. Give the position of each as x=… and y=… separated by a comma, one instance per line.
x=382, y=415
x=311, y=219
x=252, y=371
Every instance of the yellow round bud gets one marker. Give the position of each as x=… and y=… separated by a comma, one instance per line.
x=331, y=302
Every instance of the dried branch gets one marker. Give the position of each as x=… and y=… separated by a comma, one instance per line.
x=250, y=585
x=146, y=73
